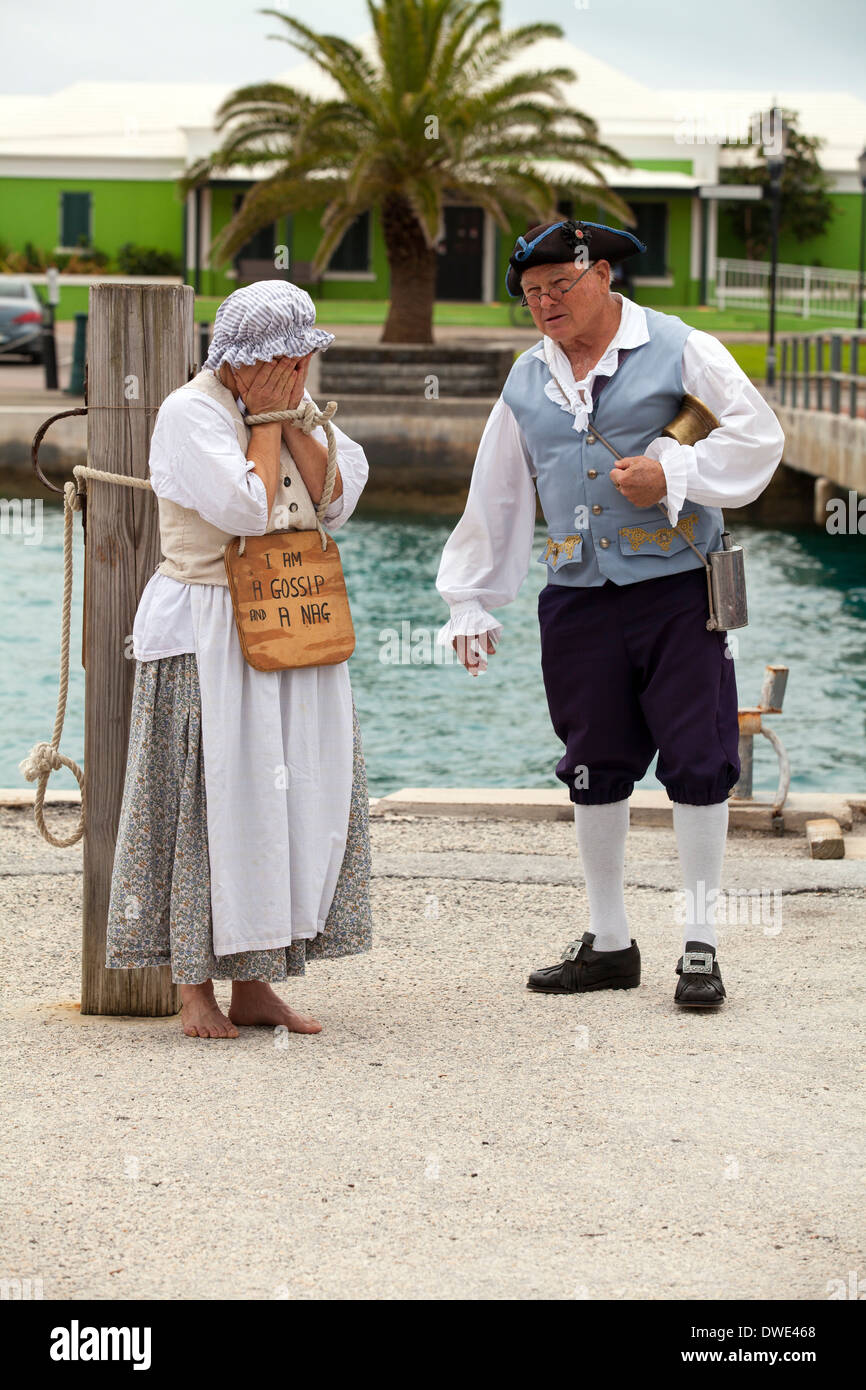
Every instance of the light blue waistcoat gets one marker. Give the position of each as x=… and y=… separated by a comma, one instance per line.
x=618, y=541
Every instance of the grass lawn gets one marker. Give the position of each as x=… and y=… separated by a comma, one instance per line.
x=752, y=357
x=353, y=311
x=723, y=321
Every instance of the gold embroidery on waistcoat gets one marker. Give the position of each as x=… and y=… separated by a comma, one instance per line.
x=555, y=548
x=637, y=536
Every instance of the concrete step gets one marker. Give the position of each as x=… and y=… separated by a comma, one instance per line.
x=647, y=807
x=471, y=369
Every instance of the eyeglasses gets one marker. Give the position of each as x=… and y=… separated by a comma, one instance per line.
x=556, y=292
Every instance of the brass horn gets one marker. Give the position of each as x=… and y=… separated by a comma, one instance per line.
x=693, y=421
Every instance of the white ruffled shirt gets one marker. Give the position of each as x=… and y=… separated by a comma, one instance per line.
x=487, y=556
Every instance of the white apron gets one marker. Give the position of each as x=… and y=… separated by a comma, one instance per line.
x=278, y=779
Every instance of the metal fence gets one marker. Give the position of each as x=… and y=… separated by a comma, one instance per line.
x=800, y=289
x=813, y=375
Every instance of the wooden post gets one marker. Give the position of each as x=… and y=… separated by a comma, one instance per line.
x=140, y=349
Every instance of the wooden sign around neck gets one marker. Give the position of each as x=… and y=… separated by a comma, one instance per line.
x=290, y=600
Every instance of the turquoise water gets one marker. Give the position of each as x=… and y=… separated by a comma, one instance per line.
x=427, y=724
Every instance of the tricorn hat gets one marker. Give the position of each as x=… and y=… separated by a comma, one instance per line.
x=552, y=242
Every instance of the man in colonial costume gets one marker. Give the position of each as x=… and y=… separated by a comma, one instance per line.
x=243, y=843
x=630, y=668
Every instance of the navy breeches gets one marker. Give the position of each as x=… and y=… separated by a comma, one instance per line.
x=630, y=671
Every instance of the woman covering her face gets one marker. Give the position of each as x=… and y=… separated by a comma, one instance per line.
x=243, y=842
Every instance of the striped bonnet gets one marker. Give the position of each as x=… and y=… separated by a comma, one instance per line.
x=268, y=319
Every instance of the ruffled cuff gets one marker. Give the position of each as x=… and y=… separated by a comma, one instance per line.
x=468, y=619
x=675, y=460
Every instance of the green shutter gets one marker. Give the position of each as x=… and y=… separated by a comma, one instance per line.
x=353, y=252
x=75, y=219
x=652, y=229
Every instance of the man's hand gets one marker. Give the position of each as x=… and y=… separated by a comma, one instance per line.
x=471, y=651
x=641, y=480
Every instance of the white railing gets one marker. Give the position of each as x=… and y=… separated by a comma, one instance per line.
x=800, y=289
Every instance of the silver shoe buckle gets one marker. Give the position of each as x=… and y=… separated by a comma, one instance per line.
x=697, y=962
x=570, y=952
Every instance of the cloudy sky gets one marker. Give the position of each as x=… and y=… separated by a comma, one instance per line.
x=671, y=43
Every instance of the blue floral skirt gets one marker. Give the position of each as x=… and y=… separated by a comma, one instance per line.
x=160, y=912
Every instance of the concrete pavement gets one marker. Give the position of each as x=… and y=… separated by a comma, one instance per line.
x=450, y=1135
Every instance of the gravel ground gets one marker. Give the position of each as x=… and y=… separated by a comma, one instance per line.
x=448, y=1134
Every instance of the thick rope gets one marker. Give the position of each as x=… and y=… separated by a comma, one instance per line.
x=307, y=416
x=45, y=758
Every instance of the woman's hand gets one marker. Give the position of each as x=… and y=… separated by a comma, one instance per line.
x=266, y=386
x=300, y=367
x=310, y=455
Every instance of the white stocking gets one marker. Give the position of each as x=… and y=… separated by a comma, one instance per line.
x=601, y=832
x=701, y=832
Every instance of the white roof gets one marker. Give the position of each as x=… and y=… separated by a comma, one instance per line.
x=627, y=179
x=837, y=118
x=173, y=121
x=133, y=120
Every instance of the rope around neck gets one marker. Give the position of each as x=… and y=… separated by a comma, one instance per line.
x=307, y=416
x=45, y=758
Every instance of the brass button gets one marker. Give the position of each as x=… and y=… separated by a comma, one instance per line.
x=604, y=542
x=592, y=472
x=591, y=439
x=596, y=511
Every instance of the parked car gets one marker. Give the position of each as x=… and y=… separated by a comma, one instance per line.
x=20, y=318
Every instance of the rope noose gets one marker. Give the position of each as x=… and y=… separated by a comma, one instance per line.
x=307, y=416
x=45, y=758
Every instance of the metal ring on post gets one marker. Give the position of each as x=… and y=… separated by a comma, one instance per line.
x=784, y=770
x=40, y=435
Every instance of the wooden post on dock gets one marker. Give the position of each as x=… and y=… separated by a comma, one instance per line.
x=140, y=347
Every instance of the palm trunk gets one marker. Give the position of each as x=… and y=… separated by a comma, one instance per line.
x=412, y=264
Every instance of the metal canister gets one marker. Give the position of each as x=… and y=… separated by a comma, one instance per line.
x=728, y=585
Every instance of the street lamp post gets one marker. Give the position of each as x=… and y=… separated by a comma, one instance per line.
x=861, y=165
x=775, y=166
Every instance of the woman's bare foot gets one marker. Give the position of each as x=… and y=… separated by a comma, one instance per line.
x=201, y=1015
x=253, y=1001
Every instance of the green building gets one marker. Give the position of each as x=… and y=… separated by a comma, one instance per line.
x=96, y=165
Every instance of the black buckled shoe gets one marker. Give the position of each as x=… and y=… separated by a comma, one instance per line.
x=700, y=983
x=582, y=969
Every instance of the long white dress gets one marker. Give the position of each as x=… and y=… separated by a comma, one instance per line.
x=277, y=744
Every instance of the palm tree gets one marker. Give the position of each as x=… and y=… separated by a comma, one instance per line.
x=439, y=112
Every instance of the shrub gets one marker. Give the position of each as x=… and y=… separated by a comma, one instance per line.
x=146, y=260
x=83, y=262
